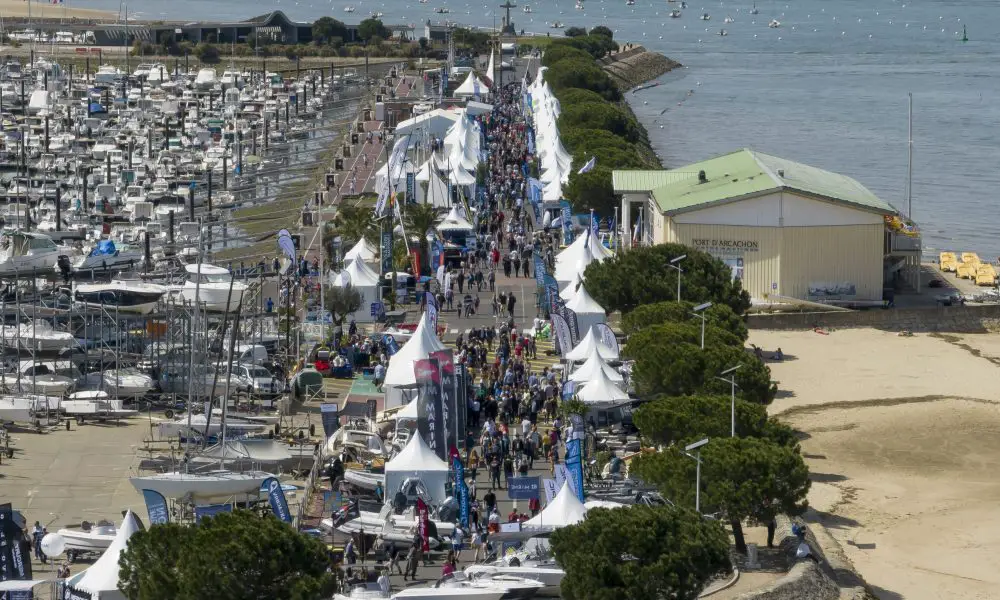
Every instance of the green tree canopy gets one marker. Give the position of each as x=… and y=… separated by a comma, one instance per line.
x=597, y=46
x=647, y=315
x=666, y=366
x=600, y=115
x=676, y=419
x=326, y=30
x=642, y=276
x=592, y=190
x=351, y=223
x=575, y=31
x=580, y=73
x=372, y=27
x=601, y=30
x=681, y=332
x=582, y=140
x=479, y=41
x=741, y=478
x=228, y=556
x=639, y=553
x=557, y=52
x=342, y=301
x=421, y=218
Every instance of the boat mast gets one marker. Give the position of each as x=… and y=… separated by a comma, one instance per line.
x=909, y=160
x=194, y=329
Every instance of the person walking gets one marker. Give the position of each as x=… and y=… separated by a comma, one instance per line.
x=392, y=552
x=413, y=557
x=37, y=533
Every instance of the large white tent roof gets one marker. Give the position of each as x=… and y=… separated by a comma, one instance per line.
x=583, y=304
x=102, y=577
x=432, y=123
x=362, y=250
x=416, y=456
x=601, y=390
x=469, y=86
x=569, y=268
x=359, y=274
x=565, y=509
x=587, y=345
x=418, y=347
x=588, y=371
x=407, y=412
x=455, y=222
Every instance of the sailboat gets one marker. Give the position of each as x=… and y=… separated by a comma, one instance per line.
x=754, y=11
x=965, y=35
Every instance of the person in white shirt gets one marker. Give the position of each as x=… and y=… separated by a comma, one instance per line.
x=383, y=583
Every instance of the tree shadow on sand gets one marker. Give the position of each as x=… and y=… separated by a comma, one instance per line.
x=884, y=594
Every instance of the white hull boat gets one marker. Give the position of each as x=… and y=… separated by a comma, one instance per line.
x=512, y=587
x=427, y=593
x=550, y=575
x=38, y=336
x=364, y=480
x=133, y=297
x=95, y=405
x=180, y=425
x=375, y=523
x=96, y=539
x=211, y=484
x=22, y=254
x=16, y=410
x=217, y=291
x=129, y=383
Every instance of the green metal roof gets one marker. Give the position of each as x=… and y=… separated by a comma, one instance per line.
x=742, y=174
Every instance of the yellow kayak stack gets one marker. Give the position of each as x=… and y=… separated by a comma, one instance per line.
x=968, y=265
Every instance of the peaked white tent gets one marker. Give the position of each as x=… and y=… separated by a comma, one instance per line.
x=598, y=250
x=491, y=70
x=434, y=123
x=588, y=371
x=362, y=250
x=588, y=311
x=589, y=342
x=601, y=391
x=573, y=266
x=455, y=221
x=408, y=412
x=399, y=375
x=416, y=459
x=565, y=509
x=569, y=290
x=101, y=578
x=360, y=276
x=470, y=85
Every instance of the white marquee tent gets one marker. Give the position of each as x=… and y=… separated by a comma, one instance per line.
x=471, y=85
x=601, y=391
x=360, y=276
x=417, y=459
x=588, y=311
x=565, y=509
x=101, y=578
x=455, y=221
x=588, y=371
x=434, y=123
x=589, y=342
x=362, y=250
x=399, y=376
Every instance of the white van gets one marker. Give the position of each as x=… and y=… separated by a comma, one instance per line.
x=249, y=354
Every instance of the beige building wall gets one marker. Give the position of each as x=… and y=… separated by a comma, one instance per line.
x=801, y=262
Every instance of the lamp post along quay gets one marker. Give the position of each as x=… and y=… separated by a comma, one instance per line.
x=696, y=446
x=732, y=395
x=673, y=265
x=699, y=311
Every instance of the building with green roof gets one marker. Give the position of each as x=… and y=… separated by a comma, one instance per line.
x=787, y=229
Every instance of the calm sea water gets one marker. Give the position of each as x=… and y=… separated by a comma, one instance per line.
x=828, y=88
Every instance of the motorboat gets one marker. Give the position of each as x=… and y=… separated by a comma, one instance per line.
x=230, y=79
x=37, y=336
x=348, y=9
x=364, y=479
x=216, y=289
x=556, y=25
x=579, y=5
x=87, y=538
x=729, y=19
x=22, y=253
x=134, y=297
x=95, y=405
x=754, y=11
x=549, y=574
x=675, y=14
x=527, y=9
x=356, y=443
x=198, y=423
x=16, y=410
x=372, y=592
x=387, y=524
x=442, y=10
x=629, y=2
x=512, y=587
x=208, y=484
x=723, y=32
x=205, y=79
x=128, y=382
x=774, y=24
x=705, y=17
x=41, y=378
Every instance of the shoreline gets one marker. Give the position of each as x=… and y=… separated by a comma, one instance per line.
x=18, y=9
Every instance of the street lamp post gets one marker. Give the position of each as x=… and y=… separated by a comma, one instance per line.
x=673, y=265
x=697, y=477
x=732, y=396
x=699, y=311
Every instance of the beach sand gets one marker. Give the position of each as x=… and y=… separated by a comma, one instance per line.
x=902, y=435
x=43, y=10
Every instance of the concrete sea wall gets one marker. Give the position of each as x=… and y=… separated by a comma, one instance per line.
x=944, y=319
x=636, y=66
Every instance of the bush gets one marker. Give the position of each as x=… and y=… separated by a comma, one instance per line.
x=600, y=115
x=207, y=53
x=558, y=52
x=580, y=73
x=575, y=32
x=571, y=96
x=648, y=315
x=592, y=190
x=603, y=31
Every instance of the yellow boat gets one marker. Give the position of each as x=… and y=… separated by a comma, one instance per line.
x=970, y=257
x=949, y=265
x=986, y=275
x=947, y=257
x=966, y=270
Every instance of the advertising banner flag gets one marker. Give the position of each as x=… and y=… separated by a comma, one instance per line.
x=550, y=489
x=277, y=497
x=463, y=490
x=15, y=557
x=574, y=466
x=423, y=518
x=523, y=488
x=454, y=431
x=156, y=506
x=430, y=407
x=563, y=336
x=330, y=415
x=387, y=252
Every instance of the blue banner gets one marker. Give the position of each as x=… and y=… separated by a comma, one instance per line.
x=463, y=491
x=330, y=415
x=574, y=465
x=156, y=505
x=567, y=216
x=531, y=142
x=411, y=188
x=437, y=252
x=432, y=312
x=552, y=292
x=539, y=270
x=200, y=512
x=524, y=488
x=277, y=497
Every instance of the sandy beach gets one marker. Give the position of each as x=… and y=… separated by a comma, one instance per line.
x=43, y=10
x=902, y=435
